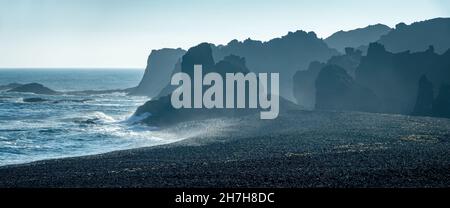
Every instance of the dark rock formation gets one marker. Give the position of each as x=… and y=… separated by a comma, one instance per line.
x=41, y=89
x=418, y=36
x=34, y=100
x=425, y=96
x=10, y=86
x=394, y=76
x=160, y=66
x=305, y=85
x=198, y=55
x=336, y=90
x=441, y=105
x=349, y=61
x=34, y=88
x=40, y=100
x=285, y=55
x=304, y=81
x=161, y=110
x=169, y=88
x=356, y=38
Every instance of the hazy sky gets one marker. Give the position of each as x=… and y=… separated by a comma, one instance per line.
x=121, y=33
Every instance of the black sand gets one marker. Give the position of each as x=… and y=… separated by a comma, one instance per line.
x=299, y=149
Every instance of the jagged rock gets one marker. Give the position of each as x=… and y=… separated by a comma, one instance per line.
x=284, y=55
x=305, y=85
x=163, y=113
x=169, y=88
x=441, y=105
x=357, y=38
x=336, y=90
x=160, y=66
x=349, y=61
x=198, y=55
x=425, y=96
x=418, y=36
x=394, y=76
x=161, y=110
x=304, y=81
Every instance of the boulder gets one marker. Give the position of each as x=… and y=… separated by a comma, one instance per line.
x=34, y=88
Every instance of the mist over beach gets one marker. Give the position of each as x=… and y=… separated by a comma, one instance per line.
x=224, y=94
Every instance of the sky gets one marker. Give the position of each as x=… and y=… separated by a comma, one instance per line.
x=122, y=33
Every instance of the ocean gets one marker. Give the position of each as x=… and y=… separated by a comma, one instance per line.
x=47, y=130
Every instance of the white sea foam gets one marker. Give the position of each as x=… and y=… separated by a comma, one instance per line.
x=103, y=117
x=36, y=131
x=137, y=118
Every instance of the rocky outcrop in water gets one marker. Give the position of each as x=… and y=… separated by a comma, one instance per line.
x=34, y=88
x=160, y=66
x=10, y=86
x=34, y=100
x=40, y=100
x=37, y=88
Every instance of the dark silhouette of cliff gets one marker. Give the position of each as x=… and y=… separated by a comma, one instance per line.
x=349, y=61
x=161, y=109
x=425, y=96
x=441, y=105
x=394, y=76
x=198, y=55
x=356, y=38
x=304, y=81
x=284, y=55
x=305, y=85
x=336, y=90
x=160, y=66
x=418, y=36
x=169, y=88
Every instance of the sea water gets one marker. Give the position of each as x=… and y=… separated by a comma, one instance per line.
x=46, y=130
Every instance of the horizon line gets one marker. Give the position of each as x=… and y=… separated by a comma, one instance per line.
x=85, y=68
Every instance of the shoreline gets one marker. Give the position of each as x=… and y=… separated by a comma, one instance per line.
x=299, y=149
